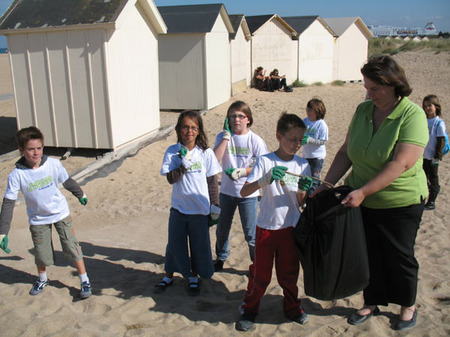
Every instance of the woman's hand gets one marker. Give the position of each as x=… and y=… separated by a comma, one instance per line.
x=354, y=198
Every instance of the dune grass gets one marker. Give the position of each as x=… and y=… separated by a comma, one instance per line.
x=381, y=45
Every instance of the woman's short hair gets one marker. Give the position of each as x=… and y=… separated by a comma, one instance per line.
x=384, y=70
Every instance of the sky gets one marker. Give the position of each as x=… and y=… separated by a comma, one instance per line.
x=399, y=13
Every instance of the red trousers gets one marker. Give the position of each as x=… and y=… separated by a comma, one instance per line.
x=273, y=245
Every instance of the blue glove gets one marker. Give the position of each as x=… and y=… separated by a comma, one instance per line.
x=4, y=243
x=305, y=183
x=83, y=200
x=305, y=139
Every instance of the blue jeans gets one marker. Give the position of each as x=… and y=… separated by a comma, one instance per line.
x=315, y=164
x=248, y=208
x=195, y=228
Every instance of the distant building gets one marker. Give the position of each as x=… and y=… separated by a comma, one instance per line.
x=429, y=29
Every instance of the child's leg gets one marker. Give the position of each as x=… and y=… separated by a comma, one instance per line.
x=287, y=268
x=44, y=255
x=200, y=246
x=228, y=207
x=248, y=209
x=260, y=271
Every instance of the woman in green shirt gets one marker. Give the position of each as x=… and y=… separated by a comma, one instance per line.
x=384, y=147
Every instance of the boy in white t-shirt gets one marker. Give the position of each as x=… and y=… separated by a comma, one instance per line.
x=237, y=147
x=37, y=177
x=277, y=173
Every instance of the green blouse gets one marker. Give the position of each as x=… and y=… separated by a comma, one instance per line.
x=370, y=153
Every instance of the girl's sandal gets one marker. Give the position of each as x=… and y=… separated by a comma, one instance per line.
x=161, y=287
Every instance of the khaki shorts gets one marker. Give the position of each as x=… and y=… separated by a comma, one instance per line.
x=43, y=245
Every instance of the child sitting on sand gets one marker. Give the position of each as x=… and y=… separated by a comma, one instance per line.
x=191, y=168
x=277, y=173
x=37, y=177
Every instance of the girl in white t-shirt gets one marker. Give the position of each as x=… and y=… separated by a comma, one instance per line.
x=191, y=168
x=434, y=151
x=237, y=147
x=316, y=136
x=277, y=173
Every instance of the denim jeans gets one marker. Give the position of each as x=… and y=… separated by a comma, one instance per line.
x=315, y=164
x=248, y=208
x=189, y=234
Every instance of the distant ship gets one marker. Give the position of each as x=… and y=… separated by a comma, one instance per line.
x=429, y=29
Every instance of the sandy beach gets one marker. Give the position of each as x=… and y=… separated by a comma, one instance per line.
x=123, y=233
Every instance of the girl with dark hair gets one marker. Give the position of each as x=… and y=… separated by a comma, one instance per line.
x=191, y=168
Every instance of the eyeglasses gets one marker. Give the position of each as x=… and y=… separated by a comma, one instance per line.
x=187, y=128
x=241, y=117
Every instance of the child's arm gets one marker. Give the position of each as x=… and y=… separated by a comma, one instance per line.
x=249, y=188
x=213, y=189
x=439, y=151
x=219, y=150
x=5, y=222
x=75, y=188
x=176, y=175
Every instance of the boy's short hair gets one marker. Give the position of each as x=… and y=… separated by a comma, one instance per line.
x=318, y=107
x=243, y=107
x=288, y=122
x=25, y=134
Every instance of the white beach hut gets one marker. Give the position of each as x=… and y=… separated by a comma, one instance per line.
x=194, y=57
x=273, y=45
x=241, y=67
x=315, y=48
x=85, y=73
x=351, y=47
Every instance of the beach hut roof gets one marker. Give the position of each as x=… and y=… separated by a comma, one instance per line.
x=340, y=25
x=301, y=23
x=236, y=21
x=31, y=14
x=255, y=22
x=187, y=19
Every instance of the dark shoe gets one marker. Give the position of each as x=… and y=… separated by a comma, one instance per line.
x=356, y=319
x=245, y=323
x=193, y=289
x=161, y=287
x=405, y=325
x=301, y=319
x=218, y=265
x=430, y=206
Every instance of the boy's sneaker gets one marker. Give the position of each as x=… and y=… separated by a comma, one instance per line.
x=245, y=323
x=302, y=318
x=86, y=290
x=38, y=287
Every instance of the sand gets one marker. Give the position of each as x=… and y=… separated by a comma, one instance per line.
x=123, y=231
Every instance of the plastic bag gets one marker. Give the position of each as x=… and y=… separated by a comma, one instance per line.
x=332, y=248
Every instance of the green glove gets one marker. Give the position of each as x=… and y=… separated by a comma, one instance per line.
x=305, y=139
x=235, y=173
x=83, y=200
x=226, y=130
x=214, y=215
x=305, y=183
x=4, y=243
x=276, y=173
x=435, y=162
x=183, y=152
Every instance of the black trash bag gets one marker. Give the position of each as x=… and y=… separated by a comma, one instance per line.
x=332, y=248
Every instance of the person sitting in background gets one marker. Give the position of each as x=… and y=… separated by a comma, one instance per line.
x=278, y=82
x=262, y=82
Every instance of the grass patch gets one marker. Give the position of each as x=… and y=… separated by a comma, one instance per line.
x=298, y=84
x=381, y=45
x=318, y=84
x=338, y=83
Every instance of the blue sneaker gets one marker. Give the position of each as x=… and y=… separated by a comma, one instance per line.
x=86, y=290
x=38, y=287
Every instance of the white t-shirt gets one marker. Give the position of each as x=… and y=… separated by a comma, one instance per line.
x=279, y=206
x=241, y=152
x=436, y=128
x=45, y=202
x=319, y=130
x=190, y=194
